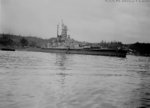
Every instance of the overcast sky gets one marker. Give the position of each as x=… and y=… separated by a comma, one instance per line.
x=87, y=20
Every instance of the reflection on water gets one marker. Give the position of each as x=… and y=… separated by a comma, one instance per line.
x=45, y=80
x=61, y=60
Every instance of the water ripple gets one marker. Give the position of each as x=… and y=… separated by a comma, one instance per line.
x=45, y=80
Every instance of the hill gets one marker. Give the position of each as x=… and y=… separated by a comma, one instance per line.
x=21, y=41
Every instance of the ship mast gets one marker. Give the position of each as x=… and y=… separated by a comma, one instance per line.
x=57, y=30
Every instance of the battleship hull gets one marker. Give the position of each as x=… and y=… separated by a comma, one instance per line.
x=103, y=52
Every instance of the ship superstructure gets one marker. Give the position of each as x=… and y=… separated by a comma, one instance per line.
x=63, y=36
x=62, y=40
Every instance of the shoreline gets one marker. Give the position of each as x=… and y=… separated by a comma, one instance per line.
x=46, y=50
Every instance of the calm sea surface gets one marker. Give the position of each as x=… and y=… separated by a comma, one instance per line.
x=46, y=80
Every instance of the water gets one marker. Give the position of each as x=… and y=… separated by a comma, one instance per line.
x=45, y=80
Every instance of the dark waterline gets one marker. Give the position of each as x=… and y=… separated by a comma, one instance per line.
x=44, y=80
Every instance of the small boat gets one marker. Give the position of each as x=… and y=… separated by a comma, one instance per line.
x=7, y=49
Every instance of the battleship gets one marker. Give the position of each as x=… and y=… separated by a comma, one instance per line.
x=64, y=44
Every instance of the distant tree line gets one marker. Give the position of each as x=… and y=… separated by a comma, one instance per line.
x=6, y=40
x=140, y=48
x=112, y=44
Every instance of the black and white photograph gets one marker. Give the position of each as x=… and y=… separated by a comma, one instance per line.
x=74, y=53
